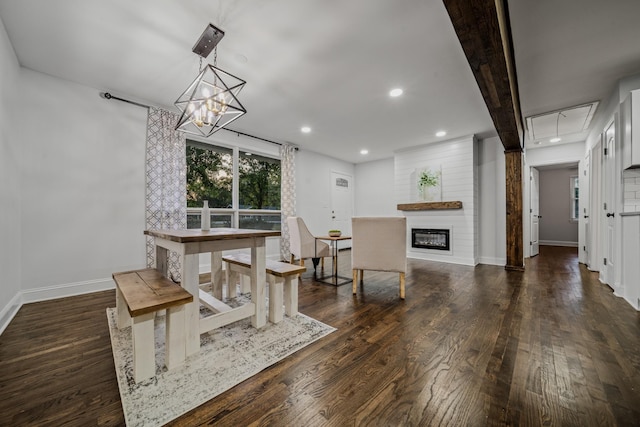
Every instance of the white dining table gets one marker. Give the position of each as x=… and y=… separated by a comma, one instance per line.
x=189, y=244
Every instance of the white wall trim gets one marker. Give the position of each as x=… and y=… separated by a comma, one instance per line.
x=631, y=303
x=492, y=261
x=9, y=311
x=558, y=243
x=448, y=260
x=67, y=290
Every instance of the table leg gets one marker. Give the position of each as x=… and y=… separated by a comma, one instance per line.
x=216, y=275
x=258, y=279
x=190, y=279
x=335, y=262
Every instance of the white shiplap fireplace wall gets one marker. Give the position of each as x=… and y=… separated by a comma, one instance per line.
x=458, y=159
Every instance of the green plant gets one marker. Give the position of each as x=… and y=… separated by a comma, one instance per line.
x=428, y=179
x=334, y=231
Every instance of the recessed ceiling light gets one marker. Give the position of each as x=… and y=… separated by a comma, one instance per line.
x=364, y=151
x=555, y=139
x=305, y=129
x=395, y=92
x=440, y=133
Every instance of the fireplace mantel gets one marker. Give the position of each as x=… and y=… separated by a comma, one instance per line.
x=429, y=206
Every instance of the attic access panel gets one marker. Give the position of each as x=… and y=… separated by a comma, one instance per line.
x=567, y=121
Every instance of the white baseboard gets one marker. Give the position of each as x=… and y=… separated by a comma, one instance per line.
x=493, y=261
x=9, y=311
x=66, y=290
x=558, y=243
x=448, y=260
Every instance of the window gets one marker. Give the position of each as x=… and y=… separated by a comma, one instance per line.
x=250, y=198
x=575, y=199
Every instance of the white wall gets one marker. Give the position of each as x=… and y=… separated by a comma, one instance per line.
x=459, y=174
x=313, y=188
x=10, y=185
x=556, y=227
x=555, y=154
x=83, y=180
x=374, y=189
x=492, y=202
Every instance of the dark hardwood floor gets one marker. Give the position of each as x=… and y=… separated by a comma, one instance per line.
x=468, y=347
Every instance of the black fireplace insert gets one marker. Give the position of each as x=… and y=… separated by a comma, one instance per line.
x=431, y=238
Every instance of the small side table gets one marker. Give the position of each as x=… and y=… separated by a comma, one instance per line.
x=333, y=279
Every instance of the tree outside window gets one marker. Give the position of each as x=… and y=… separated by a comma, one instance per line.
x=210, y=177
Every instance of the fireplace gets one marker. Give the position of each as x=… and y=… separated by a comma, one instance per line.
x=431, y=238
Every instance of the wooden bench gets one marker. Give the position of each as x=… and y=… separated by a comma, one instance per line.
x=279, y=275
x=139, y=295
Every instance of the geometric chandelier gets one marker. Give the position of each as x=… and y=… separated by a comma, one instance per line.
x=211, y=100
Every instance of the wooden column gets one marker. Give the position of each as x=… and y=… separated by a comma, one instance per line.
x=484, y=32
x=515, y=253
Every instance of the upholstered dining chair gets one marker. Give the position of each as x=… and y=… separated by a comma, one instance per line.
x=303, y=244
x=379, y=244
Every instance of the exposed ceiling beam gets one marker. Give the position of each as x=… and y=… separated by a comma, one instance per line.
x=484, y=32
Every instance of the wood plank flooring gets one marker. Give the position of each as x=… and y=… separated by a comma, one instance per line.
x=468, y=347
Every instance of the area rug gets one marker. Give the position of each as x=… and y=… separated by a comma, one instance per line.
x=228, y=356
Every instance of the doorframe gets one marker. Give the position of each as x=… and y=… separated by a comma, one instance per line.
x=594, y=261
x=608, y=275
x=526, y=211
x=531, y=169
x=584, y=216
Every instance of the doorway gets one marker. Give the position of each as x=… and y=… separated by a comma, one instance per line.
x=341, y=204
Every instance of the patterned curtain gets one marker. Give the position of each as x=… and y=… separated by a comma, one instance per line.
x=287, y=195
x=166, y=192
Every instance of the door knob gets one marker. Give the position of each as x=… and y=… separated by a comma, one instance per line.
x=610, y=215
x=586, y=216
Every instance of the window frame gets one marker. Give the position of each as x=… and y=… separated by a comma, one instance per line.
x=574, y=182
x=234, y=210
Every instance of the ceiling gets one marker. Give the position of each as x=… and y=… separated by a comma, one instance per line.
x=330, y=64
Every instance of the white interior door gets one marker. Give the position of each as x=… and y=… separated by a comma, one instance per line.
x=341, y=203
x=609, y=204
x=534, y=209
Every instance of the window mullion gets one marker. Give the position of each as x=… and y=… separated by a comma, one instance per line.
x=236, y=187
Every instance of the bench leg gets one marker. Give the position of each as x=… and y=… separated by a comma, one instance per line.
x=258, y=279
x=275, y=299
x=124, y=319
x=144, y=359
x=174, y=339
x=245, y=284
x=291, y=295
x=231, y=279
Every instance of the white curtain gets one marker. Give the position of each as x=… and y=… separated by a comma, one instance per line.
x=287, y=195
x=166, y=175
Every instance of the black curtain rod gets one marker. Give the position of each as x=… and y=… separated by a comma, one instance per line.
x=107, y=95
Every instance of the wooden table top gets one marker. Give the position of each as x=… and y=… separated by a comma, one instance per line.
x=333, y=237
x=197, y=235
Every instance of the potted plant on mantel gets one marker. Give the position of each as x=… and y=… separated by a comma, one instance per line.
x=429, y=185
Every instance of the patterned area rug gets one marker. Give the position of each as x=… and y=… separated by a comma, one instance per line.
x=228, y=356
